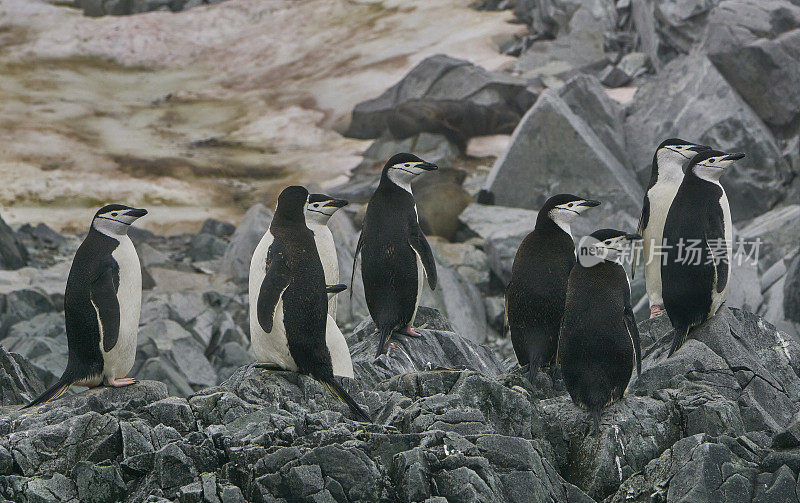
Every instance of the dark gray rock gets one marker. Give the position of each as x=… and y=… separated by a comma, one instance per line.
x=582, y=164
x=445, y=96
x=690, y=99
x=791, y=292
x=42, y=236
x=13, y=253
x=754, y=45
x=776, y=233
x=697, y=468
x=19, y=381
x=217, y=228
x=236, y=261
x=206, y=247
x=98, y=483
x=22, y=305
x=437, y=349
x=740, y=358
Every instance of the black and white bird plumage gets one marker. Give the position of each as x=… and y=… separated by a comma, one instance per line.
x=291, y=305
x=698, y=233
x=395, y=255
x=598, y=345
x=102, y=303
x=666, y=174
x=534, y=297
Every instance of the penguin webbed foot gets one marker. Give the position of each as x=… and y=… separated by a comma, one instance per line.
x=268, y=366
x=411, y=332
x=120, y=382
x=656, y=311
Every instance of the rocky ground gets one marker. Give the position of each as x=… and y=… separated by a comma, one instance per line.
x=454, y=420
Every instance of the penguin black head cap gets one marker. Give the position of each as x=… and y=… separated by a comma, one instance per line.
x=291, y=203
x=710, y=164
x=114, y=219
x=406, y=160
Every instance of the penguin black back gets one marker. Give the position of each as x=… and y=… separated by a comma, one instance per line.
x=391, y=244
x=598, y=345
x=295, y=275
x=535, y=295
x=697, y=266
x=305, y=303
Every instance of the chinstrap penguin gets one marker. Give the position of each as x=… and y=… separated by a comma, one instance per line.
x=102, y=302
x=598, y=345
x=290, y=301
x=318, y=211
x=666, y=175
x=698, y=233
x=395, y=255
x=534, y=297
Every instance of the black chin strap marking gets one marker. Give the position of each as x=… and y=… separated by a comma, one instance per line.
x=114, y=219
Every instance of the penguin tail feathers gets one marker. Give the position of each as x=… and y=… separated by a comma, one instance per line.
x=53, y=392
x=383, y=339
x=336, y=390
x=680, y=337
x=595, y=413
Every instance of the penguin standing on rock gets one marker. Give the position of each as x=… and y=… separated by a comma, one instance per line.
x=699, y=238
x=102, y=303
x=318, y=211
x=598, y=346
x=666, y=175
x=535, y=294
x=395, y=256
x=290, y=304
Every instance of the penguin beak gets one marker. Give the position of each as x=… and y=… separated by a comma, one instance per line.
x=590, y=203
x=733, y=157
x=427, y=166
x=633, y=237
x=136, y=213
x=337, y=203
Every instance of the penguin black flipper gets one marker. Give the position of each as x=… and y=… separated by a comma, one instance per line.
x=103, y=295
x=334, y=289
x=355, y=261
x=643, y=220
x=715, y=231
x=273, y=285
x=420, y=245
x=336, y=390
x=633, y=331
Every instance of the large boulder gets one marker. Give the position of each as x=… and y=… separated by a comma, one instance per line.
x=772, y=235
x=439, y=348
x=13, y=253
x=554, y=150
x=754, y=45
x=571, y=37
x=446, y=96
x=236, y=261
x=690, y=99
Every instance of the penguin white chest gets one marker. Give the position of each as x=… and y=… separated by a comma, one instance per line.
x=660, y=197
x=326, y=249
x=119, y=360
x=717, y=298
x=273, y=346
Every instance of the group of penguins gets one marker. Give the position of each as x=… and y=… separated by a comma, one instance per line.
x=560, y=311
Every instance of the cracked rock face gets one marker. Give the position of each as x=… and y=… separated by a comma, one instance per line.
x=716, y=422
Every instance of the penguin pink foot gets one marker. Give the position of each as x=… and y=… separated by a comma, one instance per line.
x=411, y=332
x=656, y=311
x=268, y=366
x=119, y=382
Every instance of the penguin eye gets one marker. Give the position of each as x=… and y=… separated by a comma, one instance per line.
x=607, y=242
x=114, y=214
x=407, y=165
x=570, y=205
